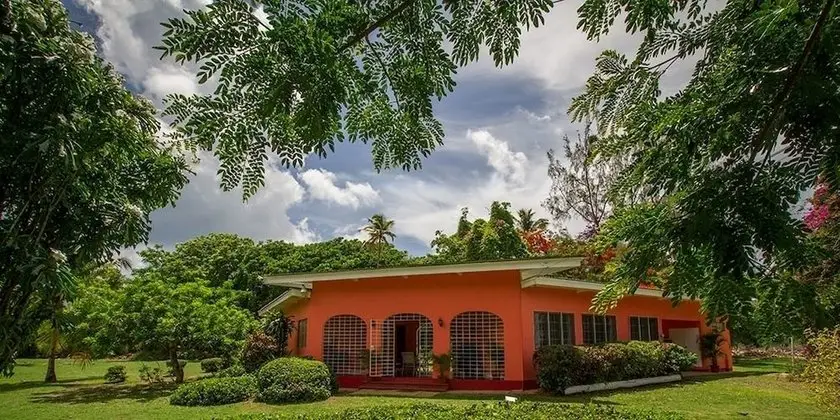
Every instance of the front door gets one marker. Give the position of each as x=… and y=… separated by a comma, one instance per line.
x=688, y=338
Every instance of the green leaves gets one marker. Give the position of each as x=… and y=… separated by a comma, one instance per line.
x=325, y=71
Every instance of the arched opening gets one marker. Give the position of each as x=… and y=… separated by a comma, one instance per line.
x=477, y=340
x=345, y=343
x=413, y=337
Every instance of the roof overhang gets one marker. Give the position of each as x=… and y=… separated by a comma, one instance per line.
x=528, y=268
x=578, y=285
x=286, y=299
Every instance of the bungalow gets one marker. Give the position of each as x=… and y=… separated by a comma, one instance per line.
x=382, y=327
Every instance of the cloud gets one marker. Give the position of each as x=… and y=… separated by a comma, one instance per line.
x=321, y=185
x=162, y=81
x=507, y=163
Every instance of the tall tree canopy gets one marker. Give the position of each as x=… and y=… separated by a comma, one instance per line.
x=493, y=239
x=314, y=73
x=81, y=168
x=579, y=184
x=721, y=162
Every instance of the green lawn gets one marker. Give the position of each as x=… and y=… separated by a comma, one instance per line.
x=753, y=390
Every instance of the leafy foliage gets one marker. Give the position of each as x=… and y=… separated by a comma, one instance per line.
x=187, y=318
x=214, y=391
x=579, y=183
x=720, y=163
x=80, y=164
x=279, y=327
x=259, y=349
x=292, y=379
x=151, y=375
x=318, y=72
x=500, y=410
x=559, y=367
x=493, y=239
x=379, y=231
x=212, y=364
x=115, y=374
x=822, y=367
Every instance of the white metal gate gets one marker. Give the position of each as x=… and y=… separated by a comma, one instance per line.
x=381, y=348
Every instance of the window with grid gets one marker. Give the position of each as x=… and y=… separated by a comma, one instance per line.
x=599, y=329
x=345, y=341
x=552, y=328
x=302, y=328
x=644, y=328
x=478, y=346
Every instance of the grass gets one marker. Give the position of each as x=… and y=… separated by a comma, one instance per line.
x=754, y=389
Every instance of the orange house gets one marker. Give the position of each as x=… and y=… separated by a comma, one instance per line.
x=381, y=328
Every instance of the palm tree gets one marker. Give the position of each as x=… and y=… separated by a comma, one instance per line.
x=379, y=232
x=526, y=222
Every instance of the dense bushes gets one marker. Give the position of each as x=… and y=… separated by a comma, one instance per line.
x=522, y=410
x=559, y=367
x=212, y=365
x=232, y=371
x=115, y=374
x=291, y=379
x=822, y=367
x=214, y=391
x=259, y=348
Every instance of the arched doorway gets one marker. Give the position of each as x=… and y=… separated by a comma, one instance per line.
x=345, y=344
x=413, y=337
x=477, y=340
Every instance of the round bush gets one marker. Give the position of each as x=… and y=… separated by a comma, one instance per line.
x=677, y=359
x=212, y=365
x=231, y=372
x=291, y=379
x=115, y=374
x=214, y=391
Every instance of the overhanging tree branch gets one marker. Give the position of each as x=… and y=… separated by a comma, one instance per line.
x=362, y=34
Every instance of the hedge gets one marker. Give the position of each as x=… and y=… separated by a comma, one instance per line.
x=292, y=379
x=559, y=367
x=214, y=391
x=212, y=365
x=115, y=374
x=521, y=410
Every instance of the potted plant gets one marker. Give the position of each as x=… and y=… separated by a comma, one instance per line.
x=711, y=347
x=444, y=364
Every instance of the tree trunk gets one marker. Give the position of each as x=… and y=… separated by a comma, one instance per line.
x=50, y=377
x=177, y=369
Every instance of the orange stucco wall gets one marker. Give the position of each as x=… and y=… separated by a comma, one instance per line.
x=442, y=297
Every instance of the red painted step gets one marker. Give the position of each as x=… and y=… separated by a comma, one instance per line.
x=406, y=384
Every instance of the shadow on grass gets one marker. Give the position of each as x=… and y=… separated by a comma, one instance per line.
x=19, y=386
x=766, y=365
x=599, y=397
x=105, y=393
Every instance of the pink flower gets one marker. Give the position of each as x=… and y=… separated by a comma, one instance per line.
x=816, y=216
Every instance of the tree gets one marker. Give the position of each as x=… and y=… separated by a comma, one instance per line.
x=190, y=318
x=721, y=162
x=493, y=239
x=379, y=231
x=80, y=164
x=526, y=222
x=315, y=73
x=579, y=184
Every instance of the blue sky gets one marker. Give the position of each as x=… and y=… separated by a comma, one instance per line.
x=499, y=125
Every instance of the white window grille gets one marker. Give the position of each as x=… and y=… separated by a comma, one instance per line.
x=553, y=328
x=477, y=340
x=599, y=329
x=644, y=328
x=381, y=351
x=345, y=343
x=422, y=365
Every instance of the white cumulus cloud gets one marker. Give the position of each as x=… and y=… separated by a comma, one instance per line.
x=506, y=162
x=321, y=185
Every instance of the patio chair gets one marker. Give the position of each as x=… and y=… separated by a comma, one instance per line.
x=409, y=363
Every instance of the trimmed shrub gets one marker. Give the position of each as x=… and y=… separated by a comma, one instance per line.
x=214, y=391
x=292, y=379
x=231, y=372
x=677, y=359
x=212, y=365
x=115, y=374
x=559, y=367
x=151, y=375
x=521, y=410
x=822, y=367
x=258, y=350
